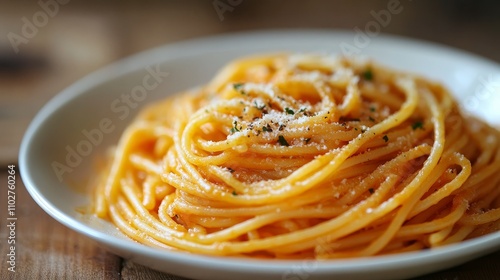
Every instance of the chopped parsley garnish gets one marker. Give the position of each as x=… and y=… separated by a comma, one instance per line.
x=235, y=193
x=238, y=87
x=386, y=138
x=267, y=128
x=368, y=74
x=289, y=111
x=235, y=128
x=372, y=109
x=282, y=141
x=417, y=125
x=259, y=107
x=304, y=111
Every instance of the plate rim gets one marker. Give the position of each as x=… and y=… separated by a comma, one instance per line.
x=144, y=58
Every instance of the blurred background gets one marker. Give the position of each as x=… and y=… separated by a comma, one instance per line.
x=47, y=45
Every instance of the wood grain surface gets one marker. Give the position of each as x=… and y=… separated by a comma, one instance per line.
x=83, y=36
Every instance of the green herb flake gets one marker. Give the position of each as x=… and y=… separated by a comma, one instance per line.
x=368, y=74
x=237, y=86
x=282, y=141
x=417, y=125
x=372, y=109
x=267, y=128
x=386, y=138
x=259, y=107
x=235, y=193
x=289, y=111
x=235, y=128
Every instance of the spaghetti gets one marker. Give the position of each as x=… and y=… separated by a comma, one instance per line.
x=304, y=156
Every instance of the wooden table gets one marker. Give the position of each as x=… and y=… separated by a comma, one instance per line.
x=83, y=36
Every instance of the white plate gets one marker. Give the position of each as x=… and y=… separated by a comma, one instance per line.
x=62, y=125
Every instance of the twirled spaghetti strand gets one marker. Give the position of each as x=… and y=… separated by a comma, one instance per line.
x=304, y=156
